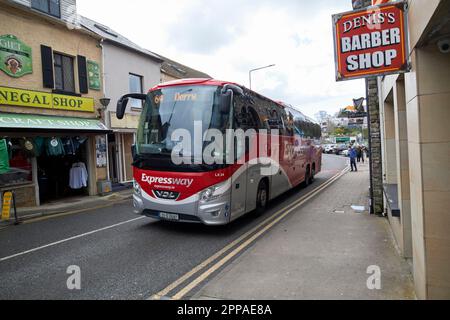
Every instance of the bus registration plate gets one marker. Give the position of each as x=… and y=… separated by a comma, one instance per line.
x=169, y=216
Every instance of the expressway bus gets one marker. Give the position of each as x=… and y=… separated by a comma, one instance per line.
x=246, y=174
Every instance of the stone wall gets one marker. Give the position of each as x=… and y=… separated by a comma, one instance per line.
x=375, y=146
x=375, y=139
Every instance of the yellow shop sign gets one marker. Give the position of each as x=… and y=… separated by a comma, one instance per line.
x=36, y=99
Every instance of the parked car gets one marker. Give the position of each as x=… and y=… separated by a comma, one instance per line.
x=345, y=153
x=340, y=148
x=329, y=148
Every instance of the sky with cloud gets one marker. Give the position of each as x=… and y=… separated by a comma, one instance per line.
x=226, y=39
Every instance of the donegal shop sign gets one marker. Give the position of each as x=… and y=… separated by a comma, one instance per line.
x=371, y=41
x=36, y=99
x=15, y=57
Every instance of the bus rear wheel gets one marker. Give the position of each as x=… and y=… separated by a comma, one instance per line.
x=262, y=198
x=313, y=175
x=307, y=178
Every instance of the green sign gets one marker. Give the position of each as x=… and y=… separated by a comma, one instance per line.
x=342, y=140
x=15, y=57
x=27, y=121
x=94, y=75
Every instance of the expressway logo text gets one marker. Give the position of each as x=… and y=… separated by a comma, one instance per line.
x=167, y=181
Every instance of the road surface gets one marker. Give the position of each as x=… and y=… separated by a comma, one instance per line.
x=120, y=255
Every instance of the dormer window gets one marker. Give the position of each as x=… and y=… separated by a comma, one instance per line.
x=51, y=7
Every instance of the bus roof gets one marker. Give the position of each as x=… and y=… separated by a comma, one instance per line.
x=196, y=81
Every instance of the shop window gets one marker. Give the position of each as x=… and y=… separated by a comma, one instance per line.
x=15, y=162
x=64, y=73
x=51, y=7
x=135, y=87
x=61, y=167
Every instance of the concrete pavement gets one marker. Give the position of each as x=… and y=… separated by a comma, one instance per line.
x=321, y=251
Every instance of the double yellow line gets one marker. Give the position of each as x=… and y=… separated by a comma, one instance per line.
x=241, y=244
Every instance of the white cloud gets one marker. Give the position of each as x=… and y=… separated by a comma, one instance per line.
x=228, y=38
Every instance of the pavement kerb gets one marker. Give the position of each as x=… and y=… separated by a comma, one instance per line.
x=64, y=208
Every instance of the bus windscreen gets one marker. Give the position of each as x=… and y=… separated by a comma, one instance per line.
x=178, y=108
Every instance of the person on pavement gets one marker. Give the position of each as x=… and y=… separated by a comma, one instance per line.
x=353, y=155
x=358, y=153
x=363, y=151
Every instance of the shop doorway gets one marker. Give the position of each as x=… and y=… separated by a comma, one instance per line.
x=62, y=168
x=112, y=155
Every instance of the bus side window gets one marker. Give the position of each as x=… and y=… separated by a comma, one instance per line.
x=277, y=121
x=254, y=118
x=289, y=123
x=239, y=113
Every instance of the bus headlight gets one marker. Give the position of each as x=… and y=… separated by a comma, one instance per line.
x=137, y=188
x=214, y=192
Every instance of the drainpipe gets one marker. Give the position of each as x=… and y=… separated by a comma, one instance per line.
x=107, y=120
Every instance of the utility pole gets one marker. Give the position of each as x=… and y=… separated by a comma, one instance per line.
x=257, y=69
x=373, y=111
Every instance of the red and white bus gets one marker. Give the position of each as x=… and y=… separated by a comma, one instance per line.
x=246, y=173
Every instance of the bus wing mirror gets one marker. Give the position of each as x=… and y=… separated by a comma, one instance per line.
x=121, y=107
x=123, y=102
x=133, y=151
x=225, y=102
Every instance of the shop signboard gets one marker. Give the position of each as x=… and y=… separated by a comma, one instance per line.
x=15, y=56
x=6, y=206
x=371, y=42
x=27, y=121
x=94, y=75
x=44, y=100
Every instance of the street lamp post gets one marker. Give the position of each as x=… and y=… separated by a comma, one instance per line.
x=257, y=69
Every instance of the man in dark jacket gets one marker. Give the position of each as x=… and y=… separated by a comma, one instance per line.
x=353, y=155
x=358, y=154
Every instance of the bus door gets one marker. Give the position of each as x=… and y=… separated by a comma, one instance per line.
x=280, y=180
x=239, y=183
x=255, y=173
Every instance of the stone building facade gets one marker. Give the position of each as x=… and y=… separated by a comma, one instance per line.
x=415, y=136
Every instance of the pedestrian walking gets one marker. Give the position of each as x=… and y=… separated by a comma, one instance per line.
x=358, y=154
x=353, y=155
x=367, y=152
x=363, y=151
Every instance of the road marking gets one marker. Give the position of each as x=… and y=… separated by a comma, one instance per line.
x=65, y=214
x=275, y=218
x=68, y=239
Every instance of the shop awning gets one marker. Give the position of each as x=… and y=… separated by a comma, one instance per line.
x=10, y=122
